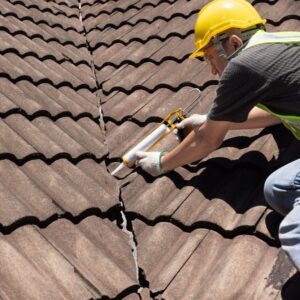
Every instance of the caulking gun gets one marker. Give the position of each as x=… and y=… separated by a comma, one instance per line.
x=166, y=126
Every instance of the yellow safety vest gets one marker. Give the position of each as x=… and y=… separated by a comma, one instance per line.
x=261, y=37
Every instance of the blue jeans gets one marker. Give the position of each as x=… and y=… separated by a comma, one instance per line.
x=282, y=192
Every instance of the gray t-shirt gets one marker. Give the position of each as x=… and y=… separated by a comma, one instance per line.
x=268, y=74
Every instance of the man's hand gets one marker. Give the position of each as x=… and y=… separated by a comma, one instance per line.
x=193, y=121
x=150, y=162
x=187, y=125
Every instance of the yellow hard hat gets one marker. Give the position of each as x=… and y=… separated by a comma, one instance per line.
x=218, y=16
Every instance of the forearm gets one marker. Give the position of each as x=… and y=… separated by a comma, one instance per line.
x=257, y=118
x=194, y=147
x=200, y=143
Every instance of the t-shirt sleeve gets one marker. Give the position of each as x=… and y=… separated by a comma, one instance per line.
x=239, y=90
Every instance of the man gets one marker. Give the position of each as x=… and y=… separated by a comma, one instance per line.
x=259, y=86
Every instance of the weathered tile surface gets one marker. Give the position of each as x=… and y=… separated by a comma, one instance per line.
x=66, y=261
x=202, y=264
x=65, y=64
x=140, y=50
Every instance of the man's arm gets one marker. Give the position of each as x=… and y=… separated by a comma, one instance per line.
x=257, y=118
x=197, y=145
x=201, y=142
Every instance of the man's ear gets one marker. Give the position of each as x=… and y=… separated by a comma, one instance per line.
x=235, y=41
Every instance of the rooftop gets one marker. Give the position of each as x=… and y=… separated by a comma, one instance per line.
x=80, y=83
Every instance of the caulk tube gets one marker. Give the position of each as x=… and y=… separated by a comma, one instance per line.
x=147, y=143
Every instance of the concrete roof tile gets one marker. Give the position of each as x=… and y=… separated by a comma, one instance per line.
x=49, y=6
x=289, y=25
x=110, y=269
x=48, y=70
x=42, y=135
x=13, y=208
x=77, y=103
x=26, y=96
x=134, y=52
x=48, y=190
x=12, y=142
x=25, y=194
x=67, y=185
x=192, y=264
x=161, y=267
x=256, y=261
x=278, y=9
x=160, y=103
x=64, y=261
x=21, y=12
x=5, y=103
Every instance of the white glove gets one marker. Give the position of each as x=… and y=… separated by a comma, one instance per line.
x=150, y=162
x=194, y=121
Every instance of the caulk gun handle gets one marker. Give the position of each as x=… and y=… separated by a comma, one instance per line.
x=182, y=133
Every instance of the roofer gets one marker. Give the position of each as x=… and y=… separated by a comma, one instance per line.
x=259, y=86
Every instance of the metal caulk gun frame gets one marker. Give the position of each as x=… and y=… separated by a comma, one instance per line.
x=166, y=126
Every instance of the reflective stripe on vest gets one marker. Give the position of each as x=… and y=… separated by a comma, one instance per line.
x=292, y=123
x=261, y=37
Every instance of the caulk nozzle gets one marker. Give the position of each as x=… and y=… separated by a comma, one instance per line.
x=119, y=168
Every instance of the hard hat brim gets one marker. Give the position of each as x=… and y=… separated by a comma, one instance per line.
x=197, y=53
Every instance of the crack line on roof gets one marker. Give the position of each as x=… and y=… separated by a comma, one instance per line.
x=122, y=220
x=101, y=121
x=39, y=22
x=43, y=10
x=126, y=226
x=40, y=36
